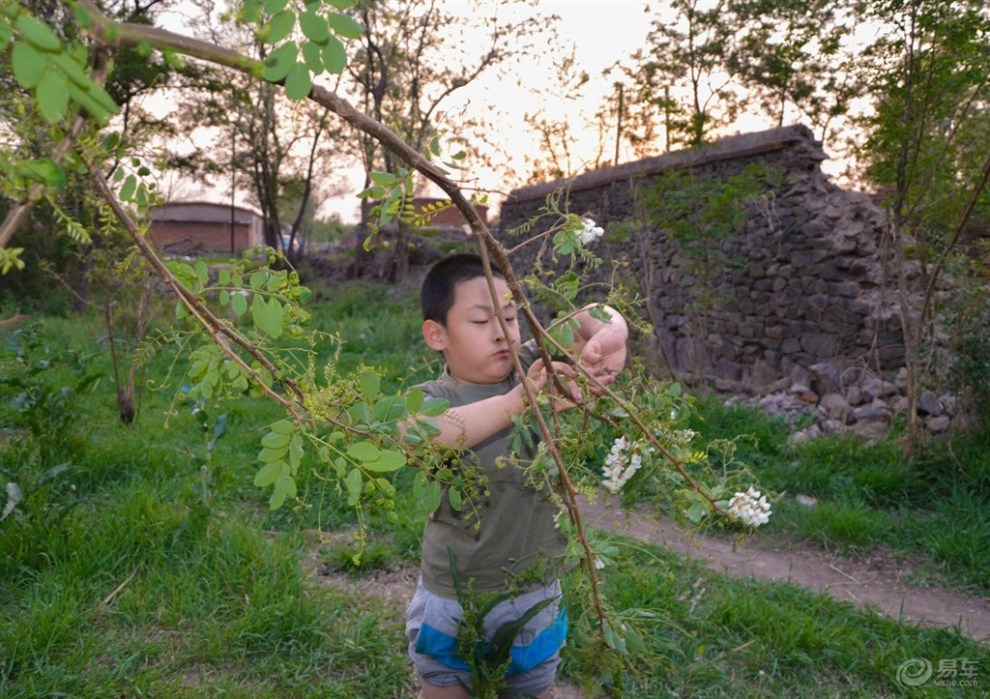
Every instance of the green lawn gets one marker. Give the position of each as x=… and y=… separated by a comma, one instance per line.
x=143, y=562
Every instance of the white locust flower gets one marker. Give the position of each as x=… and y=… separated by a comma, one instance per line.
x=621, y=464
x=750, y=508
x=591, y=232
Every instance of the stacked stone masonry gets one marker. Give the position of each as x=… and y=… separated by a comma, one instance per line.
x=806, y=278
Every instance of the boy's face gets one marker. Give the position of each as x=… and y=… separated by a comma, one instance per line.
x=472, y=341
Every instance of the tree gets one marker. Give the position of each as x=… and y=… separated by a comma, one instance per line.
x=558, y=139
x=354, y=432
x=792, y=55
x=680, y=81
x=927, y=148
x=278, y=147
x=405, y=72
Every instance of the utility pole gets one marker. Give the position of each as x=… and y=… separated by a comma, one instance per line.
x=233, y=147
x=618, y=123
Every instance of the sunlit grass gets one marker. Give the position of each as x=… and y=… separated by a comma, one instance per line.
x=151, y=566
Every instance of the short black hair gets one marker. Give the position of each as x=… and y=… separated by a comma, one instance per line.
x=437, y=293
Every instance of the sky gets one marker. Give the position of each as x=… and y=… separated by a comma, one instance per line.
x=601, y=31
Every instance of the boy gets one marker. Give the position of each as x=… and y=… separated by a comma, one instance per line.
x=506, y=538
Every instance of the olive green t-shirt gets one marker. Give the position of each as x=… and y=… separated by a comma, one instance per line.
x=508, y=532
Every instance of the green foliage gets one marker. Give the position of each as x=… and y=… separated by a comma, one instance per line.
x=42, y=384
x=869, y=495
x=967, y=318
x=393, y=193
x=295, y=63
x=57, y=74
x=487, y=657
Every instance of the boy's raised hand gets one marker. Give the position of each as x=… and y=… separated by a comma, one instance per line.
x=604, y=354
x=541, y=382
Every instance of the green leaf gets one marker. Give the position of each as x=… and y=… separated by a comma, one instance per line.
x=314, y=27
x=6, y=34
x=274, y=440
x=259, y=279
x=283, y=427
x=267, y=455
x=38, y=33
x=695, y=513
x=432, y=498
x=274, y=6
x=615, y=641
x=278, y=27
x=28, y=64
x=353, y=483
x=341, y=4
x=455, y=499
x=286, y=483
x=388, y=461
x=372, y=192
x=299, y=82
x=73, y=70
x=296, y=451
x=251, y=11
x=386, y=179
x=239, y=304
x=285, y=487
x=46, y=171
x=414, y=400
x=334, y=55
x=268, y=316
x=313, y=56
x=275, y=280
x=279, y=62
x=364, y=451
x=97, y=111
x=202, y=272
x=370, y=383
x=345, y=26
x=435, y=407
x=267, y=474
x=127, y=191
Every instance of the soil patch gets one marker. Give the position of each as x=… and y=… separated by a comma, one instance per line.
x=876, y=581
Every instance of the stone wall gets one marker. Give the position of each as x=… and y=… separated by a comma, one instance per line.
x=801, y=283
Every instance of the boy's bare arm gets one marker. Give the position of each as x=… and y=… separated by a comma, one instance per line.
x=466, y=426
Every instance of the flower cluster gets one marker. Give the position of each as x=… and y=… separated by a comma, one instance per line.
x=621, y=464
x=750, y=508
x=590, y=233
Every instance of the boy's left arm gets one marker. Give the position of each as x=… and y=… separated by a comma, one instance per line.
x=599, y=344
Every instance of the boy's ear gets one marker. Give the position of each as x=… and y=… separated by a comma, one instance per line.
x=435, y=335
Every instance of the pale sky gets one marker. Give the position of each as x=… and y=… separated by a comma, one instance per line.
x=602, y=32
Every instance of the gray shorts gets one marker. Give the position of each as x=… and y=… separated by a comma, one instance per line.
x=431, y=626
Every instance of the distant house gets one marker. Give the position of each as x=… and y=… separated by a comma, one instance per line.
x=441, y=214
x=196, y=227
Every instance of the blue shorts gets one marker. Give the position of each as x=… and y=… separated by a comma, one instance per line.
x=431, y=626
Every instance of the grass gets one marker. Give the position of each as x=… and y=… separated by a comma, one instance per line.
x=142, y=563
x=869, y=495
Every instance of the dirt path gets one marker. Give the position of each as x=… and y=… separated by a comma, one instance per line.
x=875, y=581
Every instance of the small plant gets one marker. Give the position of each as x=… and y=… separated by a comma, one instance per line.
x=45, y=384
x=488, y=659
x=41, y=389
x=969, y=372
